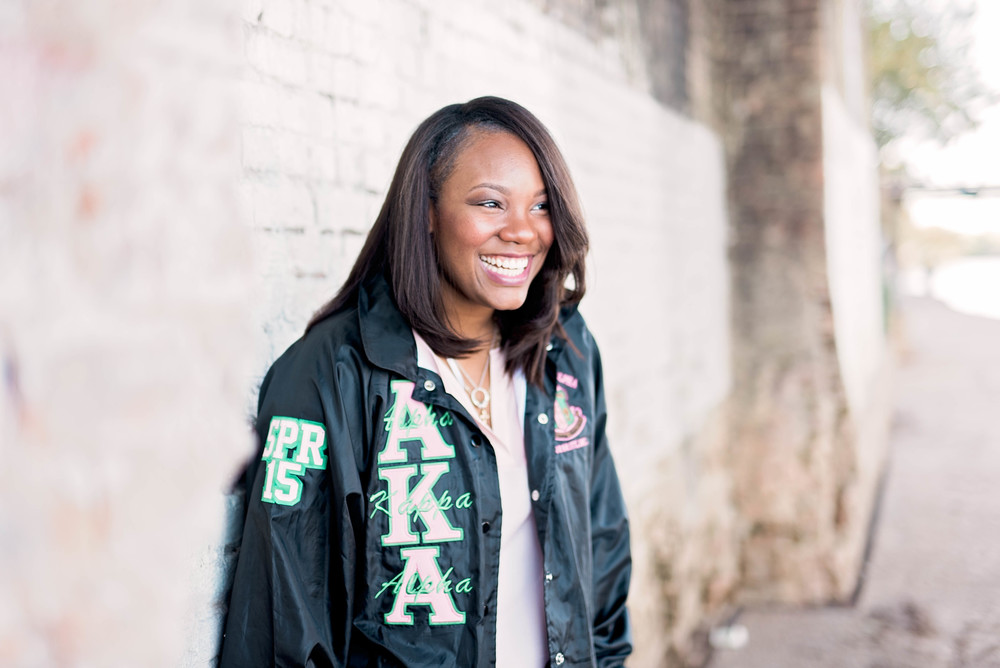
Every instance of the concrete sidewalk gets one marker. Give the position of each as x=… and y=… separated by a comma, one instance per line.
x=932, y=592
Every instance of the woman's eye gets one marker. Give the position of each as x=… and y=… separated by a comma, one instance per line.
x=490, y=204
x=542, y=206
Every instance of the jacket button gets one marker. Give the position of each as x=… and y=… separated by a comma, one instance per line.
x=548, y=577
x=543, y=418
x=486, y=527
x=549, y=347
x=535, y=495
x=429, y=385
x=476, y=440
x=560, y=659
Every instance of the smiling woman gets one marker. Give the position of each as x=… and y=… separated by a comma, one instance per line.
x=435, y=485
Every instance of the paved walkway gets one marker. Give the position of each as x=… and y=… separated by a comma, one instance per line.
x=932, y=593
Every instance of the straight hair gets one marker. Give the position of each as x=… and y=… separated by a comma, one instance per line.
x=400, y=245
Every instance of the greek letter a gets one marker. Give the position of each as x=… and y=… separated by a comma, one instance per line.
x=420, y=565
x=409, y=420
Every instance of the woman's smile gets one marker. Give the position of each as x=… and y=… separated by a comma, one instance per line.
x=510, y=270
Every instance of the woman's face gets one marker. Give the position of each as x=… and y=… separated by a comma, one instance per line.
x=491, y=226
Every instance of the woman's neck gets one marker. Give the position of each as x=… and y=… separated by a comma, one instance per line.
x=477, y=325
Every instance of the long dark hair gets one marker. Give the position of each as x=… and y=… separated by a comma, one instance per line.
x=400, y=246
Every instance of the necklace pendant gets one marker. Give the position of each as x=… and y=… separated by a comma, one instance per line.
x=480, y=398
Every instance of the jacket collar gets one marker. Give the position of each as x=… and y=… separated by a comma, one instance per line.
x=388, y=338
x=385, y=334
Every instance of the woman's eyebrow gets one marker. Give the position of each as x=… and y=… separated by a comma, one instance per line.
x=491, y=186
x=502, y=189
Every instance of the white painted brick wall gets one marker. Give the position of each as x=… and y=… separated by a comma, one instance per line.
x=124, y=312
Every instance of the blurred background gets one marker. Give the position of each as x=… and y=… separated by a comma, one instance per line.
x=794, y=272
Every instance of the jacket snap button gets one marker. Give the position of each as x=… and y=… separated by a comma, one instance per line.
x=486, y=527
x=543, y=418
x=476, y=440
x=548, y=577
x=549, y=347
x=429, y=385
x=535, y=495
x=560, y=658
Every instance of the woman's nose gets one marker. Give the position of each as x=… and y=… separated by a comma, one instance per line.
x=518, y=228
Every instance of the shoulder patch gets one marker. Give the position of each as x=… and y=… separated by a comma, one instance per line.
x=292, y=446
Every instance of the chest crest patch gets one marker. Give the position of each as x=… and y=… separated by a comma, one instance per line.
x=570, y=420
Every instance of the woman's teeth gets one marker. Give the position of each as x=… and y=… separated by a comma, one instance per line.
x=506, y=266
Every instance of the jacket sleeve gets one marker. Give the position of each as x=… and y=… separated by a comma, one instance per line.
x=610, y=544
x=293, y=589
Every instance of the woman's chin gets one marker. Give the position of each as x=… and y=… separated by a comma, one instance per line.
x=510, y=303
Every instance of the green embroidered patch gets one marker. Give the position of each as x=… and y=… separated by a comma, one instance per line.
x=292, y=446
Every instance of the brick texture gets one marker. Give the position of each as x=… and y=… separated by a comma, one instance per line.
x=124, y=263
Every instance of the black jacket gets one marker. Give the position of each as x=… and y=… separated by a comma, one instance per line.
x=372, y=533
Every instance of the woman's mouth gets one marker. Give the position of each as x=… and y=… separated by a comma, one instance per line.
x=506, y=269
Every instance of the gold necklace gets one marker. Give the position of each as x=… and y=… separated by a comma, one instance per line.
x=478, y=394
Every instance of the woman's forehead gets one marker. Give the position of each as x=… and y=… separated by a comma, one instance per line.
x=494, y=156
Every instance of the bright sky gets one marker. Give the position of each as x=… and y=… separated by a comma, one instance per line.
x=971, y=160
